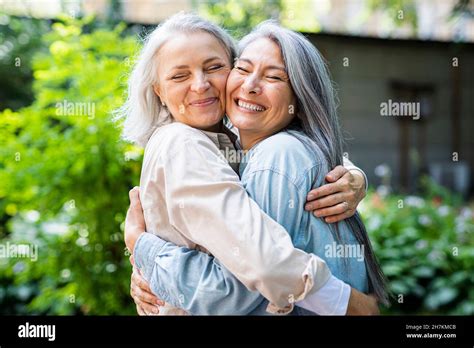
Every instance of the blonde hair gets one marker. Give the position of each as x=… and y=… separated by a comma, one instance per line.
x=142, y=111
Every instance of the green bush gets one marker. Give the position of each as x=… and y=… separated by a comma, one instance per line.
x=66, y=167
x=426, y=249
x=19, y=39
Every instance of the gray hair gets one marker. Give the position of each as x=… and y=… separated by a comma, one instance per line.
x=316, y=117
x=143, y=111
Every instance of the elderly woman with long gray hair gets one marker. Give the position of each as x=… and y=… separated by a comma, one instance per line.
x=236, y=234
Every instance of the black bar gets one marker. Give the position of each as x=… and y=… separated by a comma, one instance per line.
x=225, y=330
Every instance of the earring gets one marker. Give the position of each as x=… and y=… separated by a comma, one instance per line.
x=163, y=104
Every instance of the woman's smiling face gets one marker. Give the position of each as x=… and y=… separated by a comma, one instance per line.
x=260, y=99
x=192, y=73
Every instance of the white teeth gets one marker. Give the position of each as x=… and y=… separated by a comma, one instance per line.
x=249, y=106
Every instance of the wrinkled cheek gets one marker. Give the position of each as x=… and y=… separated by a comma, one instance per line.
x=223, y=85
x=233, y=81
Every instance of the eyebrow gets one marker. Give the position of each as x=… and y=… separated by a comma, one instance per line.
x=205, y=62
x=267, y=67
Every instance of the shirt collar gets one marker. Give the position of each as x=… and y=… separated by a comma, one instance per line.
x=222, y=140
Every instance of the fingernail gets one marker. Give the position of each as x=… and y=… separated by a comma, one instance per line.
x=310, y=197
x=156, y=310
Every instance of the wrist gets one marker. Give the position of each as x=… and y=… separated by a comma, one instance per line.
x=132, y=240
x=361, y=304
x=359, y=181
x=351, y=306
x=331, y=299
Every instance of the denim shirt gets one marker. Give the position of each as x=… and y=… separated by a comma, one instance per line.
x=277, y=173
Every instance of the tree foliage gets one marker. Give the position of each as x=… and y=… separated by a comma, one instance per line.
x=67, y=168
x=19, y=39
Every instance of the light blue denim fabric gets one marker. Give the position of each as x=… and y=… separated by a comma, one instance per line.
x=277, y=173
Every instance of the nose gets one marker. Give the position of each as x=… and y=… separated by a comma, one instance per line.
x=251, y=85
x=200, y=84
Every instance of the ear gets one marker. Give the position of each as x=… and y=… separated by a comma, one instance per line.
x=156, y=89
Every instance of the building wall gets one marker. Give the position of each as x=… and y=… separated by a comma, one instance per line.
x=373, y=63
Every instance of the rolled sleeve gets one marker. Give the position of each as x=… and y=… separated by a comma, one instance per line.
x=147, y=249
x=205, y=288
x=331, y=299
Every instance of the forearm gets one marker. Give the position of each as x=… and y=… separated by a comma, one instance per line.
x=362, y=304
x=192, y=280
x=331, y=299
x=260, y=253
x=250, y=244
x=195, y=282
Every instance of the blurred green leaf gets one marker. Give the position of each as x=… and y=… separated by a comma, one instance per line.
x=443, y=296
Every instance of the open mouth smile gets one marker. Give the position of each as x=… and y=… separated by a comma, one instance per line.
x=249, y=106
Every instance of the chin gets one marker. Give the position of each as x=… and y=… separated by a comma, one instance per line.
x=211, y=120
x=242, y=122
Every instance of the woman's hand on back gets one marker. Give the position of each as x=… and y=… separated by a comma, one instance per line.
x=147, y=303
x=338, y=199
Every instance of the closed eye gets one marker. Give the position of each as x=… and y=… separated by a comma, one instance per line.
x=275, y=78
x=241, y=69
x=215, y=67
x=178, y=77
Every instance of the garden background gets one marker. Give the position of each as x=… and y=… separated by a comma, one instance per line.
x=64, y=177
